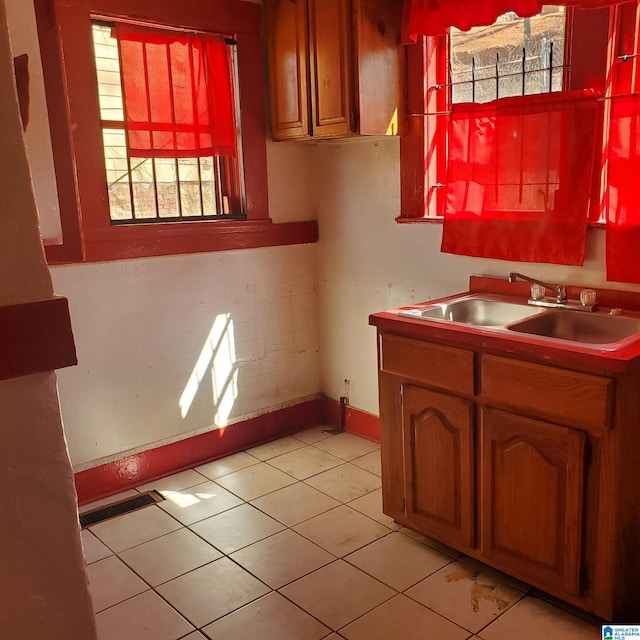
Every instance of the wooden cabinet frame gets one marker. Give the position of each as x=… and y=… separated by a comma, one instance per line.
x=547, y=493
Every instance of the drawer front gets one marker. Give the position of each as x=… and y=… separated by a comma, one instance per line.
x=435, y=365
x=576, y=399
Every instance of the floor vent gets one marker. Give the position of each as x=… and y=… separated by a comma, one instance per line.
x=119, y=508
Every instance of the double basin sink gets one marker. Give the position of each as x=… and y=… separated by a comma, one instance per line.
x=597, y=330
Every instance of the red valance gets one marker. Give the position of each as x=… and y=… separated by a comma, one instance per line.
x=178, y=94
x=434, y=17
x=519, y=177
x=623, y=194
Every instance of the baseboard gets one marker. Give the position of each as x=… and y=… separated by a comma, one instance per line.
x=146, y=466
x=355, y=421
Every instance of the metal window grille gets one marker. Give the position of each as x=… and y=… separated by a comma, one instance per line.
x=514, y=56
x=143, y=190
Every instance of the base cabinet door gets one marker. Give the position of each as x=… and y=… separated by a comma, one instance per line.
x=532, y=476
x=438, y=433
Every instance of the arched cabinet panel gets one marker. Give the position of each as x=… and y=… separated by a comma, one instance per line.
x=438, y=439
x=532, y=479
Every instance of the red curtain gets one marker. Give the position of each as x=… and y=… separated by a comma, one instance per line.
x=178, y=94
x=519, y=177
x=623, y=194
x=434, y=17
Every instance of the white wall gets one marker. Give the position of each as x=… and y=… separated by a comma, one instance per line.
x=24, y=39
x=369, y=263
x=43, y=585
x=170, y=347
x=173, y=346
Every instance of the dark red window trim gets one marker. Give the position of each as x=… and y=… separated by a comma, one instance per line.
x=64, y=30
x=423, y=150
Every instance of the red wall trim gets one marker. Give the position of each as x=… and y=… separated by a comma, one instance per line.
x=124, y=242
x=356, y=421
x=146, y=466
x=140, y=468
x=35, y=337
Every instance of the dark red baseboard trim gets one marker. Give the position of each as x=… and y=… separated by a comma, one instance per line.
x=134, y=470
x=356, y=421
x=35, y=337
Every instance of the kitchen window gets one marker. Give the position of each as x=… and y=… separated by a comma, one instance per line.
x=174, y=157
x=560, y=49
x=122, y=199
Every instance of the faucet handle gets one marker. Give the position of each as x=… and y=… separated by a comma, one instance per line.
x=537, y=292
x=587, y=297
x=561, y=293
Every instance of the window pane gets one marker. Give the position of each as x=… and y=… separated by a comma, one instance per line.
x=167, y=181
x=208, y=186
x=190, y=194
x=108, y=70
x=514, y=56
x=144, y=188
x=115, y=157
x=148, y=189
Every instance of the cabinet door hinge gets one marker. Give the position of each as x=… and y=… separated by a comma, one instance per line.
x=404, y=504
x=401, y=395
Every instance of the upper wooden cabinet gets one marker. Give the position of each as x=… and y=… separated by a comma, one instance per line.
x=335, y=68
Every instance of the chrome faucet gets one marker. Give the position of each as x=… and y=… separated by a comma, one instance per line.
x=560, y=290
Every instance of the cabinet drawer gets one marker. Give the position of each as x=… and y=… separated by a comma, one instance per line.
x=438, y=366
x=573, y=398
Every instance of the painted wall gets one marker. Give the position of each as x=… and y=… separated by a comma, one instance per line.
x=24, y=39
x=368, y=262
x=43, y=585
x=174, y=346
x=171, y=347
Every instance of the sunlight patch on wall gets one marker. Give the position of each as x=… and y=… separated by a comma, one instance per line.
x=218, y=354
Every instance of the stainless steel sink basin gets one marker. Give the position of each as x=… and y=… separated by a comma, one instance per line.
x=478, y=311
x=587, y=328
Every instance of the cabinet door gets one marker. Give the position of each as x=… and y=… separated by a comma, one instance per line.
x=287, y=44
x=379, y=68
x=439, y=470
x=330, y=44
x=532, y=478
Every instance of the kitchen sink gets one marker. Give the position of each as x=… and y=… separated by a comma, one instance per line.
x=478, y=311
x=576, y=326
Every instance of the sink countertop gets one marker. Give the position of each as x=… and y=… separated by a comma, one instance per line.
x=522, y=345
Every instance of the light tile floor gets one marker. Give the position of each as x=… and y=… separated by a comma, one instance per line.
x=287, y=541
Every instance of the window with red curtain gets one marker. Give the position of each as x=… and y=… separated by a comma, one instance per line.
x=623, y=195
x=533, y=199
x=178, y=94
x=622, y=201
x=519, y=177
x=82, y=130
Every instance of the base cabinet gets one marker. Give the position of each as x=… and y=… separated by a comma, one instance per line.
x=521, y=465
